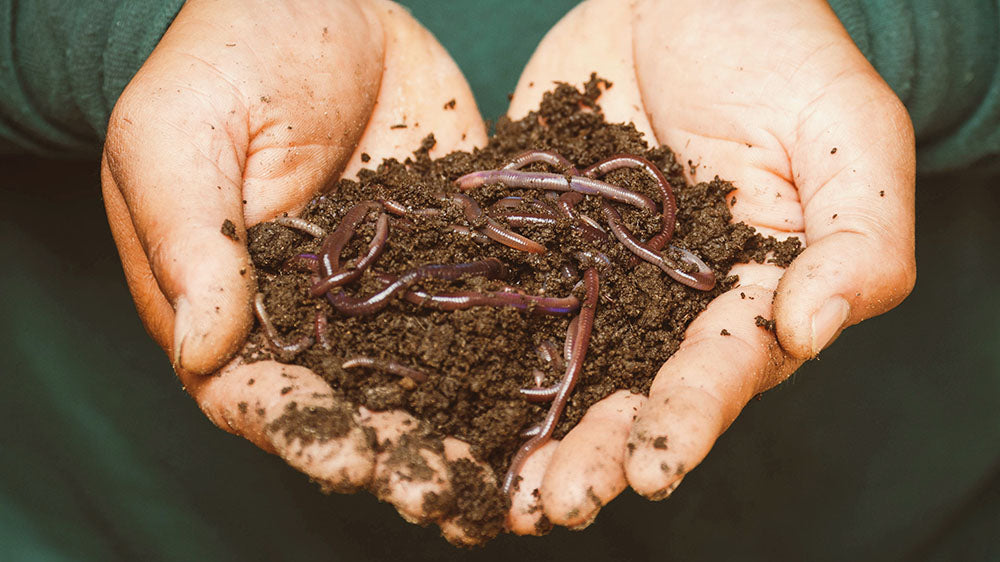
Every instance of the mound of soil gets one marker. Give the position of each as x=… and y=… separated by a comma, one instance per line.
x=477, y=359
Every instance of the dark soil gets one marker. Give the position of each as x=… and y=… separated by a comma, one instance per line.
x=478, y=358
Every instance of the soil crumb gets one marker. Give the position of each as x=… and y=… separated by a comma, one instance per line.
x=477, y=359
x=229, y=230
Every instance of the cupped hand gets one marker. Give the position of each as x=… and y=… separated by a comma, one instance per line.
x=775, y=97
x=246, y=111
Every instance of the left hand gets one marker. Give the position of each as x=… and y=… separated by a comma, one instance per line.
x=775, y=97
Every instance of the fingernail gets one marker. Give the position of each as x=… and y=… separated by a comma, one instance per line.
x=182, y=325
x=827, y=321
x=666, y=492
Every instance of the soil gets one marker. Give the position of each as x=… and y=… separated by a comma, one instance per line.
x=478, y=358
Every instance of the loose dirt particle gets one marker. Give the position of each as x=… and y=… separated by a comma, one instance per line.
x=229, y=230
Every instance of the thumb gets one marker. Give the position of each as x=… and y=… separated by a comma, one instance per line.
x=855, y=176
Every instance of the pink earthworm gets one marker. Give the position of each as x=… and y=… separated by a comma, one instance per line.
x=334, y=243
x=375, y=249
x=468, y=299
x=271, y=336
x=573, y=368
x=549, y=353
x=303, y=225
x=473, y=213
x=491, y=268
x=462, y=300
x=598, y=259
x=401, y=210
x=585, y=225
x=569, y=271
x=507, y=203
x=546, y=394
x=300, y=262
x=388, y=366
x=703, y=279
x=669, y=205
x=555, y=182
x=475, y=234
x=518, y=219
x=553, y=159
x=322, y=324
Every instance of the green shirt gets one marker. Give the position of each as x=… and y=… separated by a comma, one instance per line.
x=63, y=64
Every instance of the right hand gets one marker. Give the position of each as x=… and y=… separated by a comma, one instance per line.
x=242, y=113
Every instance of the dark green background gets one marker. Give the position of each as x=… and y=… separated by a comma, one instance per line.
x=888, y=447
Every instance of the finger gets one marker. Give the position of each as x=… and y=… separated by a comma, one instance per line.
x=579, y=45
x=526, y=516
x=154, y=310
x=290, y=411
x=413, y=104
x=725, y=359
x=176, y=145
x=858, y=205
x=479, y=504
x=411, y=472
x=587, y=470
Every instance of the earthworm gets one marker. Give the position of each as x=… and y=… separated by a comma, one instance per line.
x=468, y=299
x=548, y=353
x=401, y=210
x=387, y=366
x=491, y=268
x=322, y=323
x=546, y=394
x=507, y=203
x=475, y=234
x=310, y=228
x=473, y=212
x=375, y=248
x=567, y=201
x=531, y=431
x=553, y=159
x=573, y=368
x=518, y=219
x=703, y=279
x=307, y=262
x=334, y=243
x=599, y=259
x=669, y=206
x=271, y=336
x=587, y=226
x=569, y=271
x=555, y=182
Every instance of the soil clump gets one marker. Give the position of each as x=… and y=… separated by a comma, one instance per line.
x=477, y=359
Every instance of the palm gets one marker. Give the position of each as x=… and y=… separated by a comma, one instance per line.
x=774, y=97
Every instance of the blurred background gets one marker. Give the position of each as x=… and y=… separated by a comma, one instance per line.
x=886, y=448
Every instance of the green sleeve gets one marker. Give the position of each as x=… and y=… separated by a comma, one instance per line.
x=942, y=58
x=63, y=64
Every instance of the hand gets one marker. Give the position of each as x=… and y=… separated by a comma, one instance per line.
x=775, y=97
x=242, y=113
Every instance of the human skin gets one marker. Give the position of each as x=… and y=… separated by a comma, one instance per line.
x=775, y=97
x=240, y=117
x=229, y=110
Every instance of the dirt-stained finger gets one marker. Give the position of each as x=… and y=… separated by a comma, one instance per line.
x=587, y=470
x=526, y=515
x=290, y=411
